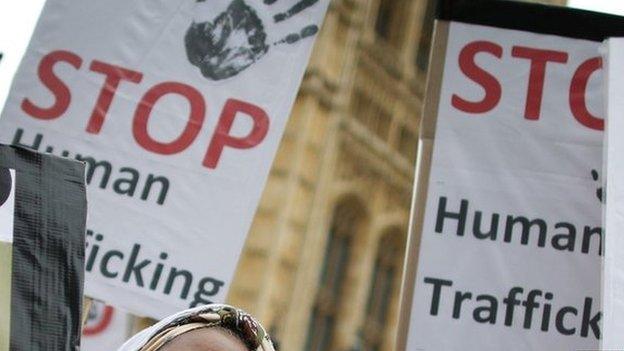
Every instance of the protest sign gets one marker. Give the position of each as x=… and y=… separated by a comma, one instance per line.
x=42, y=224
x=106, y=328
x=177, y=107
x=506, y=236
x=613, y=271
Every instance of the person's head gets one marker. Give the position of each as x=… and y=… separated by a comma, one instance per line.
x=207, y=328
x=206, y=339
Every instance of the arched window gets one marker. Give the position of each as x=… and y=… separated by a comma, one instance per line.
x=383, y=23
x=385, y=281
x=345, y=222
x=426, y=31
x=390, y=21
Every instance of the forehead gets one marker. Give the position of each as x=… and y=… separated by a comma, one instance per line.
x=207, y=339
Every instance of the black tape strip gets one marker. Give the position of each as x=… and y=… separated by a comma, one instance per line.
x=48, y=250
x=531, y=17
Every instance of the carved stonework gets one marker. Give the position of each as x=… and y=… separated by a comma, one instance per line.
x=352, y=136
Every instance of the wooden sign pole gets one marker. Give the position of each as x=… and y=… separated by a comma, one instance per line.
x=423, y=168
x=6, y=257
x=86, y=306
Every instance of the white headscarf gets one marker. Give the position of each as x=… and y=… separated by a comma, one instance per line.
x=228, y=317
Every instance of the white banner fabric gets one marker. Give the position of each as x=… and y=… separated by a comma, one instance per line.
x=7, y=204
x=511, y=245
x=177, y=107
x=106, y=329
x=613, y=272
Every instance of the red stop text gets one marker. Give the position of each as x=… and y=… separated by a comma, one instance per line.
x=539, y=60
x=114, y=76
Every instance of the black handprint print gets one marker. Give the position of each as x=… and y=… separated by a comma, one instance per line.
x=5, y=185
x=234, y=37
x=600, y=193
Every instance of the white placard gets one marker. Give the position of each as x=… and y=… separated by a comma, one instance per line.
x=178, y=107
x=510, y=251
x=106, y=329
x=7, y=204
x=613, y=274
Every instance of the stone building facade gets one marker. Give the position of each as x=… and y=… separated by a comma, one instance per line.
x=322, y=265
